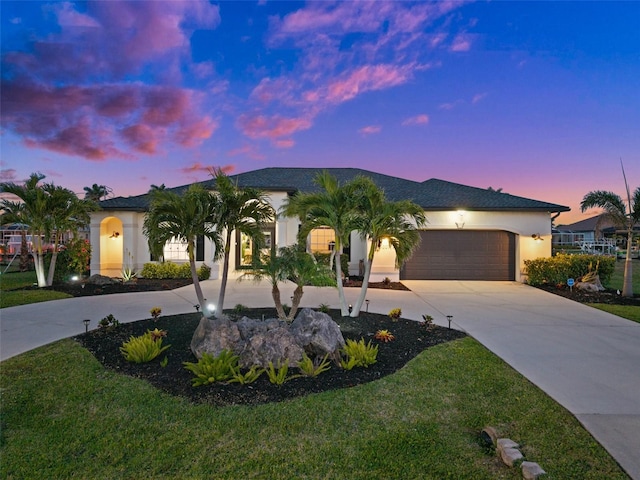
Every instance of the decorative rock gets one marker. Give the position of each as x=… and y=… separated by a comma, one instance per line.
x=276, y=346
x=588, y=287
x=531, y=470
x=503, y=443
x=214, y=335
x=490, y=436
x=101, y=280
x=510, y=456
x=317, y=333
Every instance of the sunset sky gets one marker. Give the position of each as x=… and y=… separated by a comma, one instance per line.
x=541, y=99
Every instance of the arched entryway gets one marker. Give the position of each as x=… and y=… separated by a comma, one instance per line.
x=111, y=246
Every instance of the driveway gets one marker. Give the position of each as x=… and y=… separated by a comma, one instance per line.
x=585, y=359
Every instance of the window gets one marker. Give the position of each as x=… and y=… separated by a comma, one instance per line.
x=246, y=249
x=322, y=240
x=176, y=251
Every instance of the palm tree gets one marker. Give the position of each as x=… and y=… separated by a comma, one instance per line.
x=244, y=210
x=333, y=207
x=48, y=211
x=379, y=219
x=616, y=211
x=183, y=218
x=293, y=264
x=96, y=192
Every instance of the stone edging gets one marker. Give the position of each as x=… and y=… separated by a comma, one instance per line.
x=509, y=452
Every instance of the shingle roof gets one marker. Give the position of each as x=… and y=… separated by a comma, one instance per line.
x=432, y=194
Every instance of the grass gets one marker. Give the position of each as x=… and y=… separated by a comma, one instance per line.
x=630, y=312
x=63, y=415
x=617, y=278
x=13, y=290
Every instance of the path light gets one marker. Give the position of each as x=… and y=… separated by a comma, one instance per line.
x=86, y=324
x=449, y=317
x=350, y=308
x=197, y=307
x=367, y=302
x=211, y=308
x=75, y=278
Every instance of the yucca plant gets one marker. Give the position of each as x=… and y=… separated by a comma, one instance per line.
x=278, y=374
x=358, y=354
x=312, y=368
x=210, y=369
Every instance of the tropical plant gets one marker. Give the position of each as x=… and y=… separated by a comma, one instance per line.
x=311, y=368
x=332, y=207
x=210, y=369
x=144, y=348
x=48, y=211
x=378, y=220
x=293, y=264
x=109, y=323
x=249, y=376
x=96, y=192
x=155, y=312
x=384, y=336
x=183, y=218
x=358, y=354
x=245, y=210
x=278, y=373
x=616, y=211
x=427, y=321
x=395, y=314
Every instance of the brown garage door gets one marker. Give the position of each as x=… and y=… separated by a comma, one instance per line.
x=462, y=255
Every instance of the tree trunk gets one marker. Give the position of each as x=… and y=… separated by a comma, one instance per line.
x=38, y=263
x=52, y=268
x=627, y=286
x=196, y=280
x=295, y=303
x=225, y=273
x=275, y=293
x=24, y=252
x=344, y=309
x=365, y=282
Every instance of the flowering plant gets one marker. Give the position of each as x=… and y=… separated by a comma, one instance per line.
x=384, y=336
x=155, y=312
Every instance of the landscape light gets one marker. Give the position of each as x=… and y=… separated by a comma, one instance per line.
x=86, y=324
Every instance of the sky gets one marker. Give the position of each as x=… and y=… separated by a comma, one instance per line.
x=540, y=99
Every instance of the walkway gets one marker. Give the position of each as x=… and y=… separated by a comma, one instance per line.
x=585, y=359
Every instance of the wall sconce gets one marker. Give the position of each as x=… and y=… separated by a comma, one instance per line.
x=114, y=235
x=537, y=237
x=460, y=222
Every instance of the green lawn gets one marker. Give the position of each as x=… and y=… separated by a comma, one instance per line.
x=64, y=416
x=630, y=312
x=618, y=276
x=12, y=293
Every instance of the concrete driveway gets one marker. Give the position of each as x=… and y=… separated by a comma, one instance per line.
x=585, y=359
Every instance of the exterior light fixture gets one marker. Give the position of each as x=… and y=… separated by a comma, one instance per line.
x=449, y=318
x=460, y=222
x=75, y=278
x=197, y=307
x=537, y=237
x=212, y=308
x=367, y=302
x=350, y=308
x=114, y=235
x=86, y=324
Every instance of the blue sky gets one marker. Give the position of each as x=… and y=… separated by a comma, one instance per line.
x=541, y=99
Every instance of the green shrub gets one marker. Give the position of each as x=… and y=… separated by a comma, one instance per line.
x=249, y=376
x=73, y=259
x=210, y=369
x=166, y=270
x=556, y=270
x=358, y=354
x=278, y=374
x=323, y=258
x=109, y=323
x=395, y=314
x=144, y=348
x=324, y=308
x=310, y=368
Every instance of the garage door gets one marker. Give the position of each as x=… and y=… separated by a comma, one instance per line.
x=462, y=255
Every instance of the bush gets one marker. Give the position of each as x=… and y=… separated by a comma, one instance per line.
x=210, y=369
x=173, y=270
x=144, y=348
x=556, y=270
x=323, y=259
x=358, y=354
x=73, y=259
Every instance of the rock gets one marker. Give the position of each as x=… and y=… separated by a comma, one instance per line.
x=276, y=345
x=317, y=333
x=588, y=287
x=214, y=335
x=510, y=456
x=531, y=470
x=490, y=436
x=504, y=443
x=101, y=280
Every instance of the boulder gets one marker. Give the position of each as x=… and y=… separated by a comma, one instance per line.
x=531, y=471
x=276, y=345
x=317, y=333
x=214, y=335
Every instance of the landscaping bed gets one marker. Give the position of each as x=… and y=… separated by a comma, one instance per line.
x=411, y=338
x=610, y=297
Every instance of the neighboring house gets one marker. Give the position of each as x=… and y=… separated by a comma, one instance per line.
x=472, y=233
x=596, y=234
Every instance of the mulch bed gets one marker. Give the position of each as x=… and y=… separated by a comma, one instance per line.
x=611, y=297
x=410, y=339
x=137, y=285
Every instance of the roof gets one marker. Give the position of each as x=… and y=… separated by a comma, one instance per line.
x=432, y=195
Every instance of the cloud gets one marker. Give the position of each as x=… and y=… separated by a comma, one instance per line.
x=247, y=150
x=271, y=127
x=450, y=105
x=479, y=97
x=75, y=91
x=197, y=167
x=370, y=129
x=461, y=43
x=421, y=119
x=7, y=174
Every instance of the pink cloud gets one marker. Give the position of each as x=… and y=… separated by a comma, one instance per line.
x=197, y=167
x=7, y=174
x=284, y=143
x=274, y=127
x=421, y=119
x=367, y=78
x=142, y=138
x=247, y=150
x=461, y=43
x=478, y=97
x=370, y=129
x=68, y=17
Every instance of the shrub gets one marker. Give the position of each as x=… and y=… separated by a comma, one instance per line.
x=204, y=272
x=310, y=368
x=73, y=259
x=324, y=308
x=323, y=258
x=144, y=348
x=278, y=374
x=166, y=270
x=428, y=321
x=249, y=376
x=155, y=312
x=395, y=314
x=358, y=354
x=556, y=270
x=210, y=369
x=109, y=322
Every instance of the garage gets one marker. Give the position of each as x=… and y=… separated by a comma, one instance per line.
x=462, y=255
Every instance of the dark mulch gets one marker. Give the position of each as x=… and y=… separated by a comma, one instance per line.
x=609, y=296
x=137, y=285
x=410, y=339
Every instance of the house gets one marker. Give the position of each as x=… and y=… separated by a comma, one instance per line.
x=472, y=233
x=597, y=234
